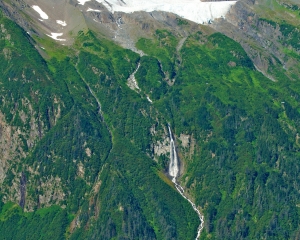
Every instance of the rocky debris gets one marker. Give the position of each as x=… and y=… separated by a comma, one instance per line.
x=231, y=64
x=185, y=140
x=131, y=81
x=180, y=44
x=162, y=147
x=80, y=171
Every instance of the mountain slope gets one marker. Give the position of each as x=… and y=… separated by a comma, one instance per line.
x=84, y=134
x=269, y=32
x=84, y=157
x=245, y=128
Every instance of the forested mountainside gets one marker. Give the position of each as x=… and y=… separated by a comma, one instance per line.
x=84, y=141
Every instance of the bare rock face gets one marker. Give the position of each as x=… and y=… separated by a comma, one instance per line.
x=161, y=146
x=62, y=19
x=126, y=28
x=260, y=39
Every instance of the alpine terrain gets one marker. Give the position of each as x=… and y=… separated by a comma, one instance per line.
x=149, y=119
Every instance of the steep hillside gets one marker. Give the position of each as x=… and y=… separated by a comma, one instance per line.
x=269, y=32
x=84, y=140
x=74, y=135
x=241, y=159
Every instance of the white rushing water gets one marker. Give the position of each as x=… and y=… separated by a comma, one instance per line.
x=173, y=172
x=173, y=166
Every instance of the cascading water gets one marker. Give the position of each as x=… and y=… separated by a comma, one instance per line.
x=173, y=172
x=173, y=166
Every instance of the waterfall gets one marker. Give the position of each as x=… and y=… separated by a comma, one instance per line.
x=173, y=172
x=173, y=166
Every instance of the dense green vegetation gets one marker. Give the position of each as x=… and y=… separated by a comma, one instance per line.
x=91, y=159
x=47, y=223
x=90, y=148
x=244, y=172
x=163, y=47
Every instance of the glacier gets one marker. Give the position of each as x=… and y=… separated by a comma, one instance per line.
x=193, y=10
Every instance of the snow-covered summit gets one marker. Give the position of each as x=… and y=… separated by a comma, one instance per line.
x=193, y=10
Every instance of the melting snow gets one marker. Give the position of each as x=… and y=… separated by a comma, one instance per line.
x=93, y=10
x=55, y=35
x=82, y=2
x=40, y=11
x=63, y=23
x=193, y=10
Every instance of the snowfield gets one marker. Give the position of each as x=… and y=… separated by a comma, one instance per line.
x=43, y=15
x=193, y=10
x=63, y=23
x=82, y=2
x=55, y=35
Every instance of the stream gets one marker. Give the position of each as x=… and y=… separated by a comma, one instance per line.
x=173, y=172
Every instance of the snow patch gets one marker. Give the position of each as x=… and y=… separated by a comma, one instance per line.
x=43, y=15
x=96, y=20
x=93, y=10
x=82, y=2
x=55, y=35
x=193, y=10
x=63, y=23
